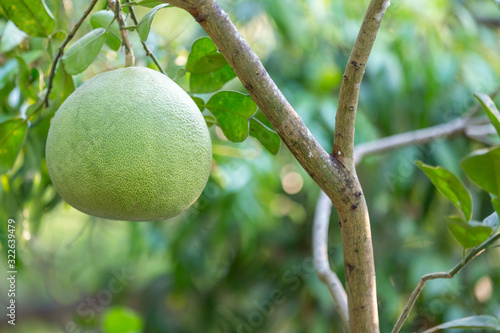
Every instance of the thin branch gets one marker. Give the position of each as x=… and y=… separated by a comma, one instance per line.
x=144, y=46
x=129, y=52
x=452, y=128
x=60, y=51
x=441, y=275
x=489, y=22
x=335, y=178
x=321, y=262
x=480, y=133
x=459, y=126
x=349, y=90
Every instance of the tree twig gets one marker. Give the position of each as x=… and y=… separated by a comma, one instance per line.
x=351, y=82
x=441, y=275
x=321, y=262
x=452, y=128
x=149, y=53
x=458, y=126
x=60, y=51
x=480, y=133
x=129, y=52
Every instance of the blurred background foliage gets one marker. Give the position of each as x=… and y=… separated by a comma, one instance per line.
x=240, y=259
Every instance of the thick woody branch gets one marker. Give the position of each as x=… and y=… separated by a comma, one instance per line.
x=442, y=275
x=471, y=127
x=355, y=221
x=321, y=262
x=330, y=172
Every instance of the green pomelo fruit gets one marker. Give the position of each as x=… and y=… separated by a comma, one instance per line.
x=129, y=144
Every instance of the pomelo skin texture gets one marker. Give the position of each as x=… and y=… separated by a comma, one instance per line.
x=129, y=144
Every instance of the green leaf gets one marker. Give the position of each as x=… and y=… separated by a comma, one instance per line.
x=450, y=186
x=210, y=82
x=32, y=56
x=492, y=221
x=232, y=110
x=207, y=64
x=59, y=34
x=8, y=72
x=144, y=3
x=468, y=234
x=495, y=202
x=62, y=86
x=490, y=108
x=483, y=168
x=31, y=16
x=210, y=121
x=209, y=70
x=149, y=3
x=122, y=320
x=103, y=19
x=11, y=37
x=266, y=136
x=83, y=52
x=23, y=79
x=112, y=41
x=34, y=108
x=484, y=322
x=12, y=136
x=145, y=24
x=200, y=103
x=204, y=57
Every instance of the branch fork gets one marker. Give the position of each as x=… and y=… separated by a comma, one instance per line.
x=334, y=173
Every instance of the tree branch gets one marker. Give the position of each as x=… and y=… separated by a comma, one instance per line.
x=456, y=127
x=441, y=275
x=144, y=46
x=462, y=126
x=60, y=51
x=355, y=221
x=337, y=179
x=129, y=52
x=480, y=133
x=321, y=262
x=351, y=83
x=459, y=126
x=452, y=128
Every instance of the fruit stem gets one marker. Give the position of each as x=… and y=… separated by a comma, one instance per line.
x=129, y=52
x=149, y=53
